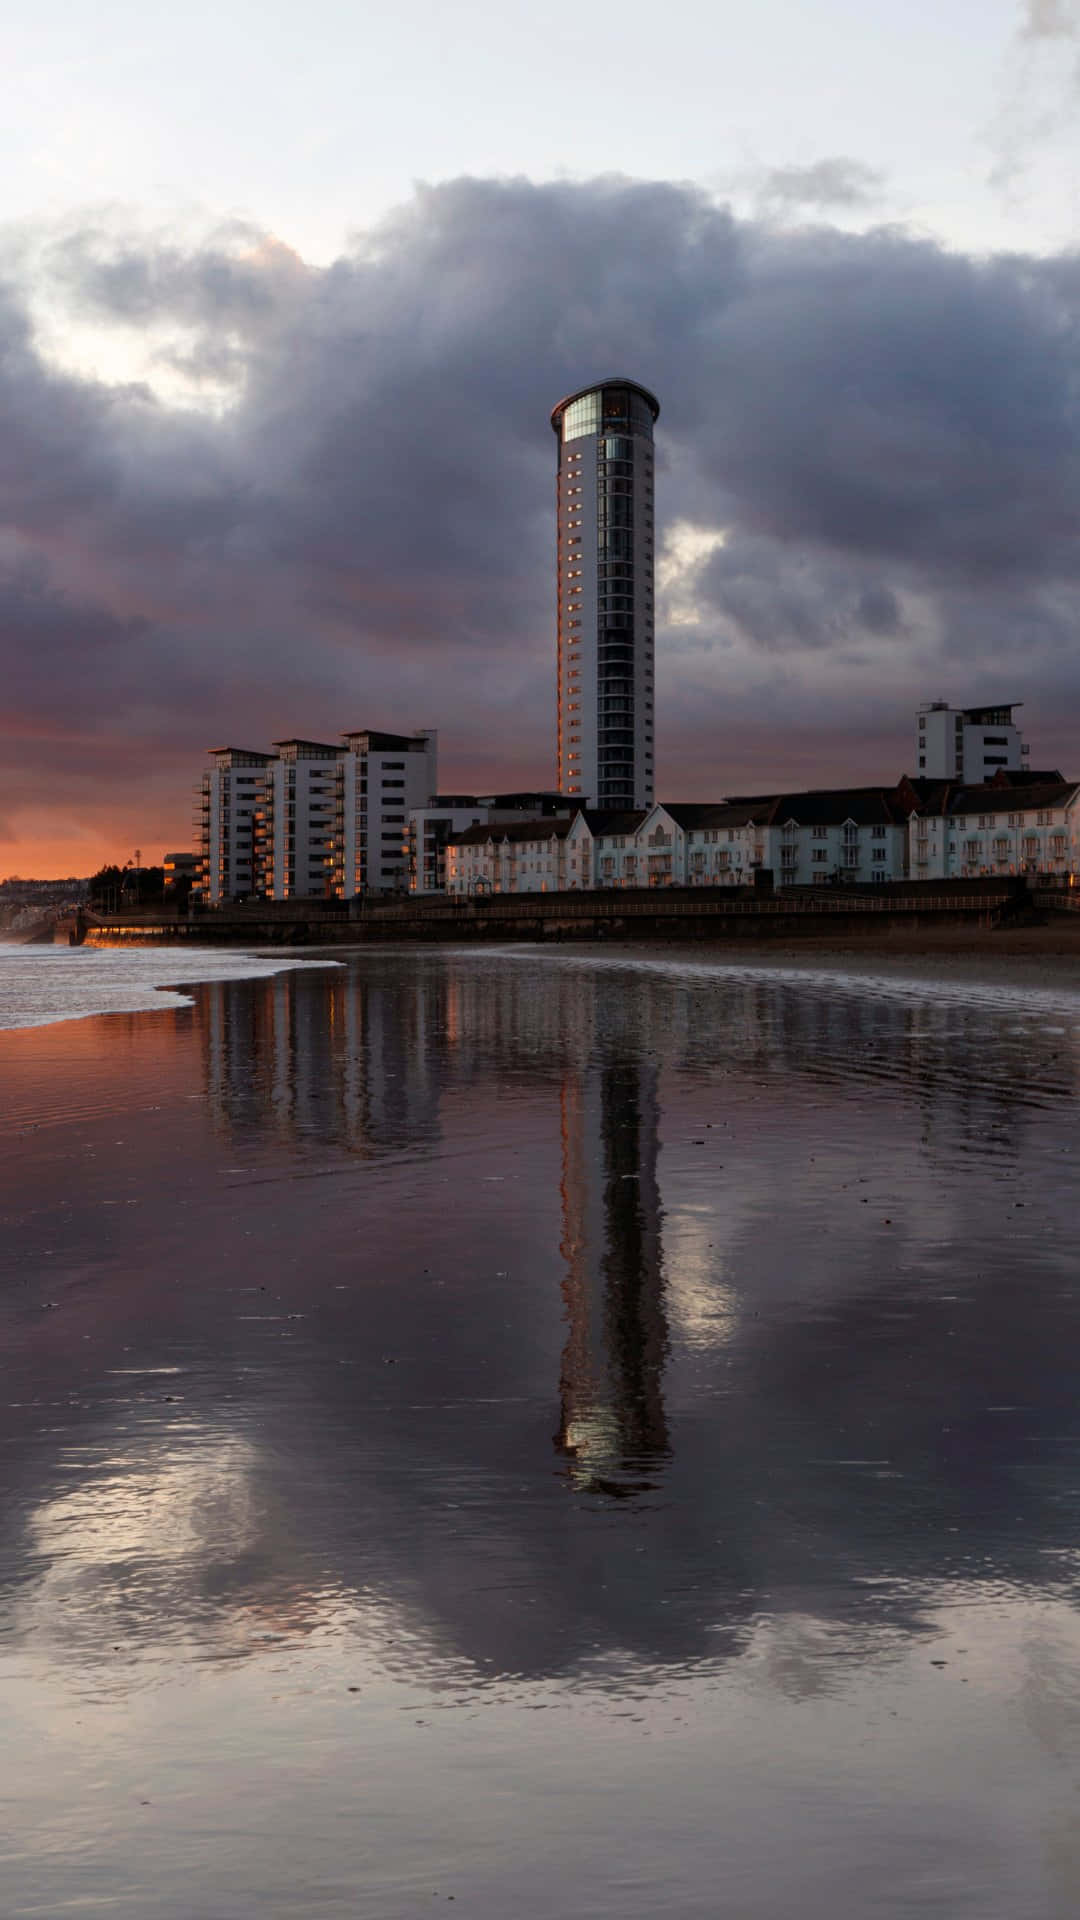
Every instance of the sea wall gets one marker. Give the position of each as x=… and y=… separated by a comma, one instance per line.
x=684, y=915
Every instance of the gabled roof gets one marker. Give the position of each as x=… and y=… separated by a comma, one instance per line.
x=1026, y=776
x=1002, y=800
x=816, y=807
x=600, y=820
x=512, y=830
x=928, y=796
x=834, y=806
x=472, y=836
x=950, y=799
x=719, y=813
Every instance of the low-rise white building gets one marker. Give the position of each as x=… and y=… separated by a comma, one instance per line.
x=965, y=832
x=601, y=849
x=717, y=844
x=527, y=856
x=853, y=834
x=431, y=827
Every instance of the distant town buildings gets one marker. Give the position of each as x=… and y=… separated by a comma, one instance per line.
x=606, y=618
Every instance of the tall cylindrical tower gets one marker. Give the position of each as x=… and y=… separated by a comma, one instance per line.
x=605, y=601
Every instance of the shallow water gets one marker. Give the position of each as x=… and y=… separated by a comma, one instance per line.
x=40, y=984
x=574, y=1436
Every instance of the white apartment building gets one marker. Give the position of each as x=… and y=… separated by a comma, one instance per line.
x=848, y=834
x=228, y=800
x=385, y=776
x=854, y=834
x=966, y=832
x=709, y=845
x=525, y=857
x=806, y=839
x=967, y=743
x=606, y=563
x=313, y=819
x=601, y=848
x=300, y=831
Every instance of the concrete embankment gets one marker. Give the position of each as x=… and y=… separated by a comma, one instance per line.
x=684, y=915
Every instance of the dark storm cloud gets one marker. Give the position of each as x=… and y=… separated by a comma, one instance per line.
x=361, y=528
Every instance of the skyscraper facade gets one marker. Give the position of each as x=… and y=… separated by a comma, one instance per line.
x=605, y=601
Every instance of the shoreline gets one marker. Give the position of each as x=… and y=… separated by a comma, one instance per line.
x=1012, y=957
x=1036, y=951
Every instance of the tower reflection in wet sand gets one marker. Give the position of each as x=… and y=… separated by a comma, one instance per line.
x=613, y=1428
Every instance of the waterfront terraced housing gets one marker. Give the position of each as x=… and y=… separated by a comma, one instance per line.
x=917, y=830
x=1007, y=826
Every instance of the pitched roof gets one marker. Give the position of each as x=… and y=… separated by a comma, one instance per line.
x=611, y=819
x=832, y=806
x=825, y=806
x=990, y=799
x=1026, y=776
x=512, y=830
x=718, y=813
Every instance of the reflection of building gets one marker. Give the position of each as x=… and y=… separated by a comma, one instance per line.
x=605, y=593
x=612, y=1422
x=327, y=1057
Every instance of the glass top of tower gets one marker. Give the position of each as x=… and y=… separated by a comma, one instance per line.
x=611, y=403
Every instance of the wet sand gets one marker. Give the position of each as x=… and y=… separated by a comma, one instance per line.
x=1038, y=955
x=589, y=1435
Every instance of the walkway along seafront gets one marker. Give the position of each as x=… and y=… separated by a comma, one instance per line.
x=684, y=914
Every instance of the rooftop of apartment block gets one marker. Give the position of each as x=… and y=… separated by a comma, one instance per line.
x=377, y=742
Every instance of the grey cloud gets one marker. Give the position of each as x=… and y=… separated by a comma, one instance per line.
x=234, y=278
x=1049, y=19
x=887, y=433
x=835, y=181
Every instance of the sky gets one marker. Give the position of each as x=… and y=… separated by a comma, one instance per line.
x=287, y=294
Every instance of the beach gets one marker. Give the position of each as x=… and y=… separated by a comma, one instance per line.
x=532, y=1428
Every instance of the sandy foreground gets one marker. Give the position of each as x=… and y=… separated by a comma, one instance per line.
x=1037, y=956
